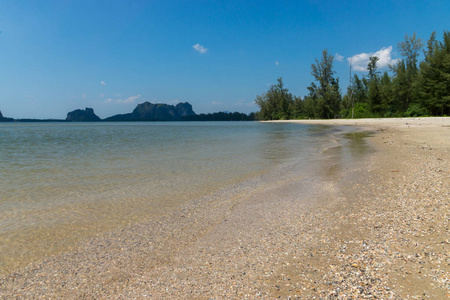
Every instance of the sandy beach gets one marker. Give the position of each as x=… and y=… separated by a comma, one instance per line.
x=374, y=227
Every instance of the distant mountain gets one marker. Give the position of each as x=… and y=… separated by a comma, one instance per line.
x=146, y=112
x=4, y=119
x=156, y=112
x=80, y=115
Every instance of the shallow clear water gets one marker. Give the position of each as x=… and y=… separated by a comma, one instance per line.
x=61, y=182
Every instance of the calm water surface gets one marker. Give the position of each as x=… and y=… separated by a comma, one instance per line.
x=61, y=182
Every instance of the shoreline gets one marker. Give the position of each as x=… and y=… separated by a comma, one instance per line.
x=391, y=237
x=360, y=235
x=373, y=122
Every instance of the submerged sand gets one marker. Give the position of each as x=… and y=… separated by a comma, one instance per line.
x=376, y=227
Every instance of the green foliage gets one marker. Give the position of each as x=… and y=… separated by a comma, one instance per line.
x=416, y=110
x=361, y=111
x=221, y=116
x=435, y=77
x=372, y=67
x=432, y=44
x=297, y=108
x=401, y=86
x=374, y=96
x=309, y=108
x=410, y=49
x=276, y=103
x=326, y=96
x=387, y=94
x=406, y=81
x=393, y=114
x=413, y=89
x=346, y=113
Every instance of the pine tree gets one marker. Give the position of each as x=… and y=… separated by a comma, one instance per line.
x=406, y=70
x=435, y=76
x=326, y=94
x=386, y=94
x=275, y=104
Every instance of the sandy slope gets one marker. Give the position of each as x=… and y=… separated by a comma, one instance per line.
x=397, y=123
x=377, y=228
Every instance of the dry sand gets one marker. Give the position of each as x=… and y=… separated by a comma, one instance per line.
x=376, y=228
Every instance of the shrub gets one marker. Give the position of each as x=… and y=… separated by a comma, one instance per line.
x=361, y=111
x=416, y=110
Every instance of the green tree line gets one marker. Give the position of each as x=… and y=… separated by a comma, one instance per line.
x=221, y=116
x=410, y=89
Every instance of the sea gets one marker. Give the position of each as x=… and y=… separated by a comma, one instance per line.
x=63, y=182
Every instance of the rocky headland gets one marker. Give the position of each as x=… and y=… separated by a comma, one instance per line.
x=146, y=112
x=83, y=115
x=156, y=112
x=4, y=119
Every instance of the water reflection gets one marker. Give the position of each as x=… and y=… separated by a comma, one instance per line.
x=323, y=130
x=350, y=149
x=282, y=142
x=356, y=143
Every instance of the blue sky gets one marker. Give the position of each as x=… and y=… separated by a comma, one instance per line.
x=57, y=56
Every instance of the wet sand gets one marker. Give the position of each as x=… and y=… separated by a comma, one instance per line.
x=389, y=237
x=373, y=227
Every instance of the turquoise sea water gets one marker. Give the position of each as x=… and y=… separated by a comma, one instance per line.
x=61, y=182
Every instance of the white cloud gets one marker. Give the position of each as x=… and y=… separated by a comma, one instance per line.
x=200, y=48
x=360, y=61
x=338, y=57
x=102, y=95
x=83, y=96
x=129, y=100
x=277, y=63
x=245, y=103
x=102, y=82
x=176, y=101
